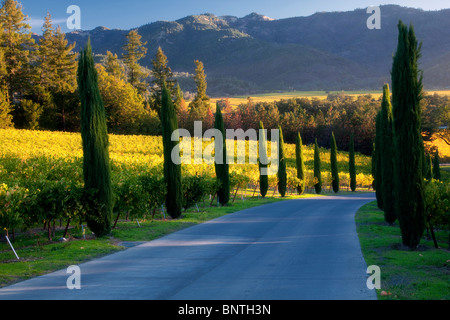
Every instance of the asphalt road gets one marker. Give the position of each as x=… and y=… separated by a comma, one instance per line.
x=305, y=249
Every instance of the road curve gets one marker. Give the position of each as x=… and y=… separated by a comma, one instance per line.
x=304, y=249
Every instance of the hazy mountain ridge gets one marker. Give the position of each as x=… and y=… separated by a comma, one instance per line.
x=324, y=51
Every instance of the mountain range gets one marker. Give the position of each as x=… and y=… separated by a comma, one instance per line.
x=324, y=51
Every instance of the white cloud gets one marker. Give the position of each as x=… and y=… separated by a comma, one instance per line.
x=38, y=23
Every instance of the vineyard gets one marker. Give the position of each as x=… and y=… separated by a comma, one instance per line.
x=41, y=177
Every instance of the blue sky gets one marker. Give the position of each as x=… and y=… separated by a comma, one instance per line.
x=134, y=13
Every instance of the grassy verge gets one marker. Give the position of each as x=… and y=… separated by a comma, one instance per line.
x=405, y=274
x=39, y=256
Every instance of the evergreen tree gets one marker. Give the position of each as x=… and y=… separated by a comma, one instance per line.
x=96, y=164
x=18, y=48
x=317, y=169
x=222, y=169
x=32, y=112
x=374, y=167
x=300, y=163
x=199, y=106
x=386, y=157
x=262, y=161
x=378, y=176
x=114, y=66
x=334, y=166
x=135, y=50
x=161, y=74
x=282, y=175
x=179, y=99
x=172, y=171
x=45, y=66
x=2, y=60
x=56, y=72
x=406, y=96
x=352, y=163
x=436, y=168
x=5, y=109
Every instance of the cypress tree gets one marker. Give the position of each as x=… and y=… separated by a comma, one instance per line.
x=333, y=162
x=263, y=178
x=408, y=143
x=282, y=176
x=352, y=164
x=222, y=169
x=436, y=168
x=300, y=163
x=377, y=163
x=374, y=167
x=172, y=171
x=96, y=164
x=317, y=169
x=386, y=157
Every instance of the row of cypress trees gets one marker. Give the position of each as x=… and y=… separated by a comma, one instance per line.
x=334, y=168
x=300, y=165
x=399, y=161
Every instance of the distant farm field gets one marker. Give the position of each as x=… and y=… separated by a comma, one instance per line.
x=270, y=97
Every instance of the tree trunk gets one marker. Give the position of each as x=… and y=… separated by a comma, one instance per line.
x=67, y=227
x=237, y=188
x=117, y=218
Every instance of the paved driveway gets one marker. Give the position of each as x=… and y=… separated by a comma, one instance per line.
x=290, y=250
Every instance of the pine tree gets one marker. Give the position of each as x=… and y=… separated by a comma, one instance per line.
x=406, y=96
x=352, y=164
x=378, y=176
x=222, y=169
x=18, y=46
x=5, y=109
x=161, y=74
x=135, y=50
x=436, y=168
x=179, y=99
x=56, y=71
x=199, y=106
x=113, y=66
x=282, y=175
x=386, y=157
x=172, y=171
x=45, y=66
x=317, y=169
x=263, y=161
x=96, y=164
x=333, y=162
x=300, y=163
